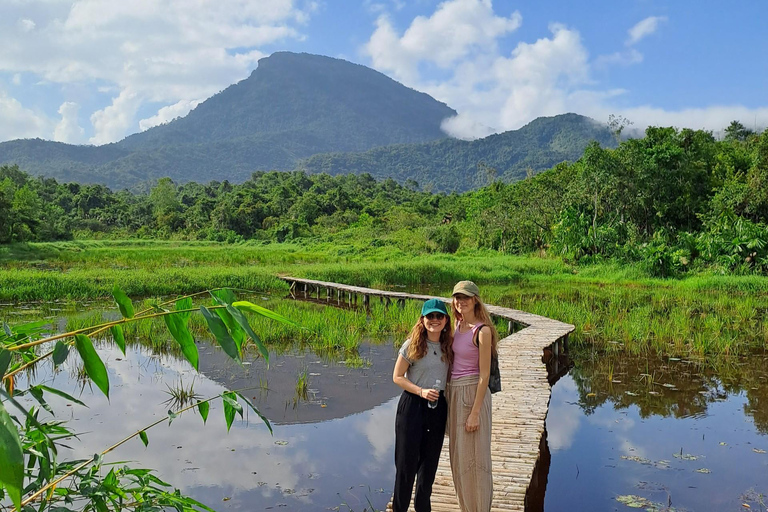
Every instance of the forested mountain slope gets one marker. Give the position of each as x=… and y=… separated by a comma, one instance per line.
x=456, y=165
x=292, y=106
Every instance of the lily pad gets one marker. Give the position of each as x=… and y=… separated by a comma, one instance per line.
x=687, y=456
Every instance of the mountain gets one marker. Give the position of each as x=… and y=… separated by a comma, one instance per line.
x=318, y=114
x=292, y=106
x=456, y=165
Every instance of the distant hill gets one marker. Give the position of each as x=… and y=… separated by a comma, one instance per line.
x=292, y=106
x=318, y=114
x=456, y=165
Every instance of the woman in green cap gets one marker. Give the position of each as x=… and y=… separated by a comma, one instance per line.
x=469, y=400
x=421, y=370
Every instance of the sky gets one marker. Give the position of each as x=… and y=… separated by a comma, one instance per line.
x=95, y=71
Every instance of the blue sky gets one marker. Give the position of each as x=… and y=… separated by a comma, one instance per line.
x=94, y=71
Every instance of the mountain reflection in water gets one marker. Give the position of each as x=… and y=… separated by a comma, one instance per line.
x=660, y=433
x=344, y=457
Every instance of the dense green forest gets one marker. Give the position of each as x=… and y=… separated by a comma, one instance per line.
x=449, y=165
x=673, y=200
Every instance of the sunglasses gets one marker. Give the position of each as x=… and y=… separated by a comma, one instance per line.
x=434, y=316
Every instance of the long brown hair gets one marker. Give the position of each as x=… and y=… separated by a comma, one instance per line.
x=483, y=317
x=418, y=346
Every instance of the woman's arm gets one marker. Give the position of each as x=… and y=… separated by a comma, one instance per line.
x=484, y=345
x=399, y=378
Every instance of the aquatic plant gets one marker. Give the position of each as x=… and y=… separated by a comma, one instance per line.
x=30, y=469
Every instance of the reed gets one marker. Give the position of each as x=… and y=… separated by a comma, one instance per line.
x=614, y=307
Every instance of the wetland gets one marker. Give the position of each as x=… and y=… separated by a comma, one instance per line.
x=664, y=406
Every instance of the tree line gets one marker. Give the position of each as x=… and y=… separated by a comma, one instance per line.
x=672, y=200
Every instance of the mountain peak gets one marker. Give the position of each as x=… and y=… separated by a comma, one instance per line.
x=313, y=104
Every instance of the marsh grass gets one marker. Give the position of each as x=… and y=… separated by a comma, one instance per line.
x=329, y=331
x=612, y=306
x=302, y=385
x=180, y=395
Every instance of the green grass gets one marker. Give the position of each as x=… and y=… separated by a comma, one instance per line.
x=614, y=307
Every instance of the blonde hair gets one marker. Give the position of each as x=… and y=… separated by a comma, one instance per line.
x=418, y=346
x=483, y=317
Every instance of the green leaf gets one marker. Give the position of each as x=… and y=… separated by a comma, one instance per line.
x=144, y=438
x=123, y=302
x=244, y=305
x=5, y=361
x=203, y=408
x=11, y=458
x=37, y=393
x=182, y=304
x=225, y=296
x=230, y=397
x=60, y=353
x=118, y=336
x=231, y=406
x=254, y=409
x=221, y=298
x=219, y=330
x=31, y=327
x=94, y=366
x=178, y=328
x=62, y=394
x=171, y=416
x=7, y=329
x=243, y=323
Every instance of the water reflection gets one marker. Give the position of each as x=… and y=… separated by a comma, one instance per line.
x=678, y=434
x=346, y=459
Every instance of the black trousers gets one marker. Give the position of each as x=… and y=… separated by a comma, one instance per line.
x=419, y=434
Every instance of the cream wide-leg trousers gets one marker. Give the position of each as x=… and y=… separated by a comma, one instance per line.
x=470, y=452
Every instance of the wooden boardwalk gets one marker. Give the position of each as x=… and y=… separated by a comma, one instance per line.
x=519, y=409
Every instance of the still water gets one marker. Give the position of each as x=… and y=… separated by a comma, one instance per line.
x=333, y=449
x=623, y=431
x=659, y=434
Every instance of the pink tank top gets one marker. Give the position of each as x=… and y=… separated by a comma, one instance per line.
x=466, y=356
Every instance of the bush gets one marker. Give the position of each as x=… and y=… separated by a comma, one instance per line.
x=446, y=238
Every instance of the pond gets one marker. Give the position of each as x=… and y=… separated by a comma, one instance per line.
x=623, y=431
x=333, y=449
x=660, y=434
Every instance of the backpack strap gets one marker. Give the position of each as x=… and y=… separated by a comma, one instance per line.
x=476, y=337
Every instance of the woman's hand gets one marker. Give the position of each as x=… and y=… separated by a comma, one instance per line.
x=430, y=394
x=473, y=422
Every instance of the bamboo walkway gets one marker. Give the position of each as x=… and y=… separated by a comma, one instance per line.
x=519, y=409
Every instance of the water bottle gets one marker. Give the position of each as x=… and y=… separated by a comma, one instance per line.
x=433, y=403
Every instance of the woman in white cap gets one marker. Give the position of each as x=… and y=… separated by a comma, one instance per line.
x=421, y=370
x=469, y=400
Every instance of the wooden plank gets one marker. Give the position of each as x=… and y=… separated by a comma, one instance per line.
x=519, y=409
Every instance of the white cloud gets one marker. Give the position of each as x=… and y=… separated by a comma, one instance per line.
x=154, y=50
x=26, y=25
x=627, y=58
x=456, y=30
x=16, y=80
x=19, y=122
x=112, y=123
x=644, y=28
x=507, y=92
x=68, y=130
x=169, y=113
x=714, y=118
x=552, y=75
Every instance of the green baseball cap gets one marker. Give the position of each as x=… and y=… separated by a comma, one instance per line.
x=466, y=288
x=433, y=306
